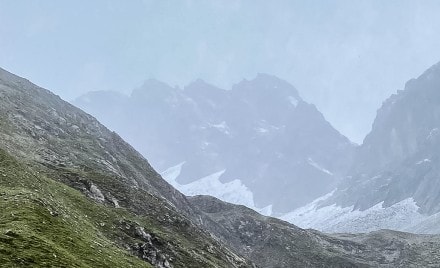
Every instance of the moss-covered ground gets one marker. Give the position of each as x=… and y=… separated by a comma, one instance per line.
x=44, y=223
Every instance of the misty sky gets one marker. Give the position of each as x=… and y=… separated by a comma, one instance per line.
x=344, y=56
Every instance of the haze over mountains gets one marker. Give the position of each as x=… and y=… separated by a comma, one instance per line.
x=286, y=155
x=275, y=134
x=74, y=194
x=259, y=144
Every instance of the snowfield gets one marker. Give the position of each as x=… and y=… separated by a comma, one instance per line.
x=402, y=216
x=233, y=192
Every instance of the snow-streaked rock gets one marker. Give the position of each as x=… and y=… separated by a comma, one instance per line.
x=261, y=132
x=394, y=180
x=318, y=167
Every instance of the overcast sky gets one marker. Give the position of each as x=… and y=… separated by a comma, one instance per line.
x=344, y=56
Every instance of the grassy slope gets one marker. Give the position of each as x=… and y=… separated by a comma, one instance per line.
x=47, y=224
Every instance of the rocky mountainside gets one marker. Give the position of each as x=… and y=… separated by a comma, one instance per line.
x=125, y=209
x=258, y=145
x=403, y=147
x=271, y=242
x=394, y=181
x=74, y=194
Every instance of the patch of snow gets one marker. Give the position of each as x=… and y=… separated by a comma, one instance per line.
x=267, y=211
x=423, y=161
x=434, y=132
x=400, y=216
x=293, y=101
x=264, y=127
x=233, y=192
x=171, y=174
x=317, y=166
x=262, y=130
x=205, y=145
x=222, y=127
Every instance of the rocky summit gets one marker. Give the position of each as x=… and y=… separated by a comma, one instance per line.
x=393, y=182
x=74, y=194
x=258, y=144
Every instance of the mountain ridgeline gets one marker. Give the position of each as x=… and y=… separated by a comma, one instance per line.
x=402, y=150
x=261, y=132
x=394, y=180
x=74, y=194
x=51, y=152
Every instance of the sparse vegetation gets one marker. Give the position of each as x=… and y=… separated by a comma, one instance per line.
x=74, y=194
x=45, y=224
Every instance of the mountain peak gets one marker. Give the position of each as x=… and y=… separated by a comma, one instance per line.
x=430, y=76
x=266, y=82
x=266, y=76
x=200, y=84
x=152, y=88
x=269, y=78
x=154, y=83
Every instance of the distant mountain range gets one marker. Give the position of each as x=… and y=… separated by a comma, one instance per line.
x=259, y=144
x=74, y=194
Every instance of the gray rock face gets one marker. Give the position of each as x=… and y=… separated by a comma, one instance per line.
x=399, y=159
x=260, y=132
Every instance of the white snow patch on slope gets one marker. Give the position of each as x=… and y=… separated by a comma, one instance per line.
x=402, y=216
x=233, y=192
x=433, y=133
x=293, y=101
x=267, y=211
x=317, y=166
x=222, y=127
x=423, y=161
x=262, y=130
x=171, y=174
